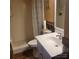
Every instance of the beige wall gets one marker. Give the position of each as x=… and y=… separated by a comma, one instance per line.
x=49, y=10
x=21, y=21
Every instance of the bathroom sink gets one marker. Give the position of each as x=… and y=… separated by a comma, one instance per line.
x=55, y=40
x=55, y=45
x=52, y=45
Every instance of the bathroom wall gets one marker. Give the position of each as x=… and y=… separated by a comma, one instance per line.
x=49, y=10
x=21, y=22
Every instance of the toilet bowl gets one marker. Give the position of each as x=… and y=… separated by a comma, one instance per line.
x=33, y=43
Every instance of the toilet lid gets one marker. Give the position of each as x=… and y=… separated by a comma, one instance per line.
x=33, y=43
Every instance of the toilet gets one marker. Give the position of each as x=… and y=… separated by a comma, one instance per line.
x=33, y=43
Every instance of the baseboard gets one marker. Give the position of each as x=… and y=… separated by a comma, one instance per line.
x=20, y=49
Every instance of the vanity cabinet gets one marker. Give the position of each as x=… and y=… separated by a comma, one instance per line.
x=42, y=52
x=48, y=47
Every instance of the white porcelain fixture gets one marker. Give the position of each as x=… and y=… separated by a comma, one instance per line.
x=33, y=43
x=50, y=43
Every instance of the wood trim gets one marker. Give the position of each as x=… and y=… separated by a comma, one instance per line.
x=50, y=23
x=66, y=25
x=49, y=10
x=11, y=52
x=65, y=41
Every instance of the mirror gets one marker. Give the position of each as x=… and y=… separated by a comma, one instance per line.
x=60, y=13
x=54, y=17
x=49, y=14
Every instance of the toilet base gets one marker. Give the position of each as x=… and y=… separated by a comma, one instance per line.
x=35, y=52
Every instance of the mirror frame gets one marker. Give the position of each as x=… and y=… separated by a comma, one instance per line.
x=57, y=29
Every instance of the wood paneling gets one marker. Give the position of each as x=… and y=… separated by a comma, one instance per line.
x=49, y=10
x=66, y=27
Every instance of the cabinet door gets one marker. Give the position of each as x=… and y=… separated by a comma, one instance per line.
x=43, y=54
x=39, y=48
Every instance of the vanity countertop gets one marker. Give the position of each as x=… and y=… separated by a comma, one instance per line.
x=49, y=45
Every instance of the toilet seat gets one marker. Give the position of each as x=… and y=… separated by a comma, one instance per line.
x=33, y=43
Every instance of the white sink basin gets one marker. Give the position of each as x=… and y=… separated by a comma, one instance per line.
x=56, y=41
x=55, y=45
x=52, y=45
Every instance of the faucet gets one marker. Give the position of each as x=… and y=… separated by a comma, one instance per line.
x=59, y=35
